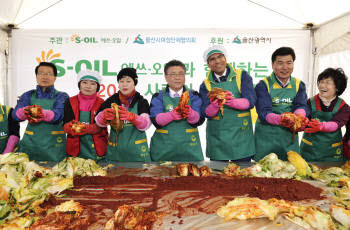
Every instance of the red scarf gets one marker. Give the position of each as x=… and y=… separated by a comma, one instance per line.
x=126, y=99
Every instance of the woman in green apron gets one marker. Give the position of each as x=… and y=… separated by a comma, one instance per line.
x=130, y=143
x=322, y=141
x=176, y=137
x=85, y=138
x=44, y=138
x=9, y=130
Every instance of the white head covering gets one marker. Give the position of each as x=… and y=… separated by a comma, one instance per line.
x=217, y=49
x=89, y=75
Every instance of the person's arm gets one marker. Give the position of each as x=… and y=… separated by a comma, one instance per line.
x=195, y=117
x=247, y=90
x=142, y=120
x=13, y=125
x=300, y=102
x=156, y=108
x=58, y=109
x=68, y=112
x=13, y=133
x=342, y=116
x=209, y=109
x=18, y=113
x=263, y=103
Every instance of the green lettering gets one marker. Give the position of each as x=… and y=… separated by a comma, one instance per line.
x=60, y=70
x=105, y=69
x=82, y=62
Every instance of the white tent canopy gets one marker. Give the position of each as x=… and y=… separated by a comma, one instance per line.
x=331, y=19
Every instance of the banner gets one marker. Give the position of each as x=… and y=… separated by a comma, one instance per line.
x=108, y=51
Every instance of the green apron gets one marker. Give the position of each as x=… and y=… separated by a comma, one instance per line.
x=323, y=146
x=177, y=141
x=4, y=127
x=87, y=147
x=44, y=141
x=229, y=137
x=274, y=138
x=130, y=144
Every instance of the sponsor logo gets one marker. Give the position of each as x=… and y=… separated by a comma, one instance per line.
x=77, y=39
x=139, y=40
x=237, y=40
x=169, y=107
x=47, y=57
x=277, y=100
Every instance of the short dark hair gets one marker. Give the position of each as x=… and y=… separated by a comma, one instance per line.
x=338, y=76
x=46, y=64
x=173, y=63
x=283, y=51
x=97, y=89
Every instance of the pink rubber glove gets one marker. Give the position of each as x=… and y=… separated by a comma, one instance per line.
x=11, y=144
x=20, y=114
x=238, y=103
x=192, y=115
x=165, y=118
x=273, y=119
x=300, y=112
x=48, y=115
x=212, y=109
x=143, y=122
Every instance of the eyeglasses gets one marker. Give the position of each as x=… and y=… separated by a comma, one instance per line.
x=219, y=57
x=176, y=74
x=45, y=74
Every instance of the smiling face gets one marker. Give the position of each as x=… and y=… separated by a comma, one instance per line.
x=283, y=67
x=126, y=85
x=88, y=87
x=327, y=88
x=175, y=77
x=45, y=76
x=217, y=63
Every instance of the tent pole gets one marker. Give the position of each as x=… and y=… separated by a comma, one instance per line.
x=314, y=63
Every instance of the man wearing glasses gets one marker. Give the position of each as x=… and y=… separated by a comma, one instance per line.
x=44, y=138
x=176, y=137
x=229, y=134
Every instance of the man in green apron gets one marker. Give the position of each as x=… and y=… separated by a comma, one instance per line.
x=9, y=130
x=277, y=94
x=44, y=138
x=176, y=137
x=322, y=141
x=229, y=134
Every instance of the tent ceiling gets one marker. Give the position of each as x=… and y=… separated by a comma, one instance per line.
x=67, y=14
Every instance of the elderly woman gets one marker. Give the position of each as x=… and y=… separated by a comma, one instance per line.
x=129, y=143
x=322, y=141
x=85, y=138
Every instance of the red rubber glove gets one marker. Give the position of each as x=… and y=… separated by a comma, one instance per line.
x=71, y=129
x=314, y=126
x=186, y=111
x=108, y=114
x=125, y=115
x=92, y=129
x=30, y=117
